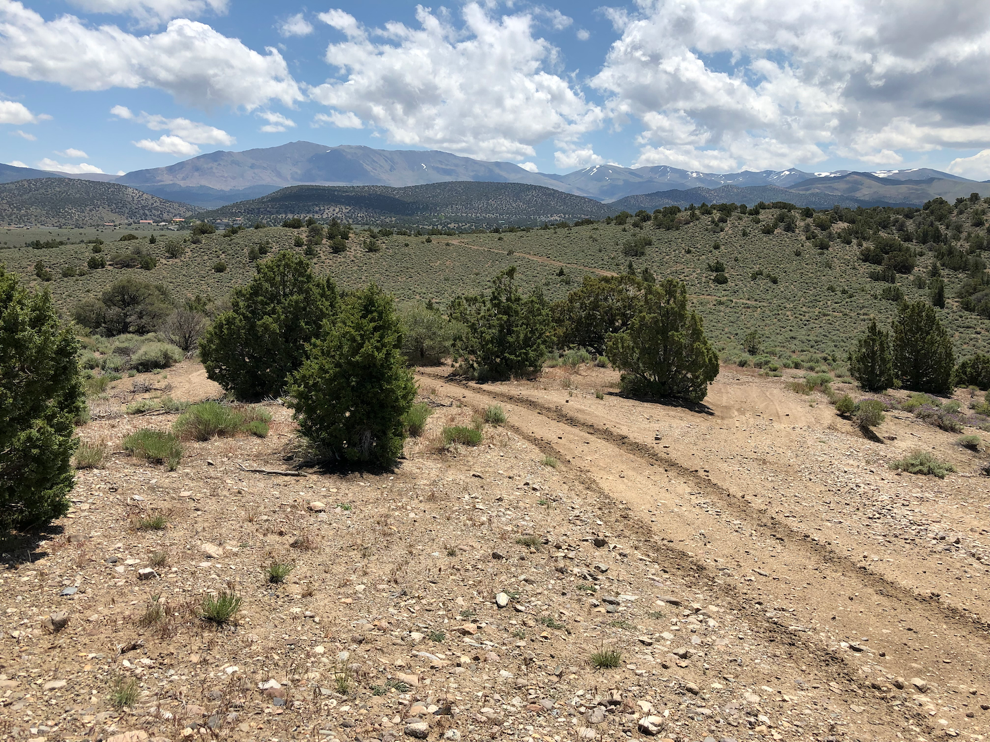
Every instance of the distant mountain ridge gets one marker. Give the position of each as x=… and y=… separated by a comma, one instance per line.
x=213, y=180
x=66, y=202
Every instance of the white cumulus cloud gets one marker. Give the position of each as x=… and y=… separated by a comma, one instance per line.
x=12, y=112
x=976, y=167
x=74, y=154
x=190, y=60
x=295, y=25
x=24, y=135
x=276, y=122
x=340, y=120
x=576, y=158
x=17, y=163
x=482, y=88
x=153, y=12
x=169, y=145
x=726, y=84
x=530, y=166
x=52, y=165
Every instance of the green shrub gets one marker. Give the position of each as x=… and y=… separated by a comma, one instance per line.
x=252, y=349
x=974, y=371
x=665, y=353
x=845, y=405
x=462, y=435
x=220, y=609
x=972, y=442
x=91, y=455
x=353, y=392
x=415, y=419
x=495, y=415
x=41, y=396
x=605, y=659
x=129, y=305
x=427, y=336
x=124, y=692
x=923, y=462
x=869, y=413
x=152, y=522
x=277, y=571
x=208, y=420
x=155, y=446
x=916, y=400
x=603, y=306
x=164, y=404
x=219, y=267
x=156, y=355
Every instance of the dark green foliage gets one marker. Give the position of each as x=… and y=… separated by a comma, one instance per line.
x=353, y=392
x=974, y=371
x=293, y=223
x=937, y=292
x=427, y=336
x=664, y=352
x=42, y=272
x=635, y=247
x=752, y=341
x=506, y=334
x=923, y=357
x=415, y=420
x=253, y=348
x=208, y=420
x=721, y=279
x=96, y=262
x=129, y=305
x=40, y=398
x=869, y=413
x=604, y=305
x=138, y=258
x=128, y=237
x=845, y=405
x=219, y=266
x=871, y=363
x=201, y=228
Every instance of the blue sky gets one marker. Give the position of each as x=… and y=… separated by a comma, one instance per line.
x=714, y=85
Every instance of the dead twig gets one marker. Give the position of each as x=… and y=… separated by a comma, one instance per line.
x=271, y=471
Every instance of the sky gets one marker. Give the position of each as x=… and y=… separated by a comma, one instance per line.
x=714, y=85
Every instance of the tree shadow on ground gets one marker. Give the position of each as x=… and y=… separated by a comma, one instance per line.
x=698, y=407
x=23, y=547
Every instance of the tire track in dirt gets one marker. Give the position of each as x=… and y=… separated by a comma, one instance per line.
x=847, y=602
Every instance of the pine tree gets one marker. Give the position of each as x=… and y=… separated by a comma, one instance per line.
x=870, y=363
x=353, y=391
x=664, y=352
x=40, y=398
x=923, y=357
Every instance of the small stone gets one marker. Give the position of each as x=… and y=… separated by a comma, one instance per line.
x=212, y=551
x=452, y=734
x=54, y=684
x=146, y=573
x=898, y=683
x=603, y=568
x=692, y=689
x=497, y=555
x=650, y=725
x=682, y=652
x=596, y=715
x=599, y=542
x=56, y=621
x=278, y=701
x=137, y=735
x=468, y=629
x=410, y=680
x=501, y=600
x=317, y=507
x=69, y=591
x=418, y=730
x=920, y=685
x=646, y=641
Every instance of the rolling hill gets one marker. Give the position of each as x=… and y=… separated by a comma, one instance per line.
x=12, y=174
x=874, y=189
x=733, y=194
x=65, y=202
x=438, y=204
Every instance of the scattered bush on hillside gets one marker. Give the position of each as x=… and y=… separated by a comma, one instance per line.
x=183, y=328
x=869, y=413
x=871, y=363
x=427, y=336
x=129, y=305
x=40, y=398
x=506, y=334
x=252, y=349
x=923, y=462
x=974, y=371
x=602, y=306
x=208, y=420
x=154, y=356
x=664, y=352
x=352, y=394
x=155, y=446
x=922, y=350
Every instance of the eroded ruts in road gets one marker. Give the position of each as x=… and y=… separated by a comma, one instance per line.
x=850, y=612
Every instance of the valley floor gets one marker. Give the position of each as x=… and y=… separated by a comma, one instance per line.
x=762, y=570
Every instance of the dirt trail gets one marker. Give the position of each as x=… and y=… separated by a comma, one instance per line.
x=816, y=593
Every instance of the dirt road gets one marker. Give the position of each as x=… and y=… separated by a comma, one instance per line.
x=742, y=493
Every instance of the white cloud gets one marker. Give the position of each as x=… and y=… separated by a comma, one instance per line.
x=555, y=18
x=276, y=122
x=480, y=88
x=583, y=34
x=52, y=165
x=153, y=12
x=17, y=163
x=169, y=145
x=295, y=25
x=189, y=60
x=74, y=154
x=573, y=159
x=181, y=129
x=530, y=166
x=24, y=135
x=731, y=83
x=340, y=120
x=976, y=167
x=12, y=112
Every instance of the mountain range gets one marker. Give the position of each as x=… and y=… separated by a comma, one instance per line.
x=220, y=178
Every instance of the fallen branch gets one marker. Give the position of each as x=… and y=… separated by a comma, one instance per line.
x=272, y=471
